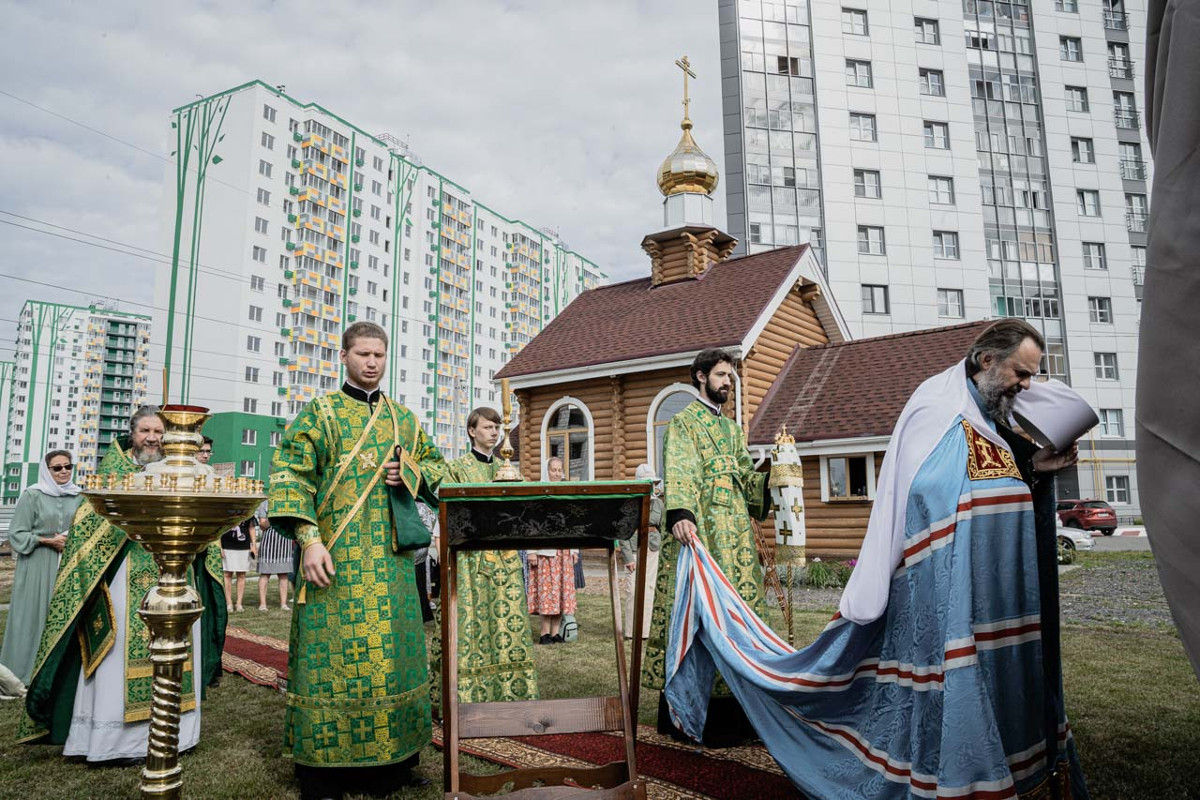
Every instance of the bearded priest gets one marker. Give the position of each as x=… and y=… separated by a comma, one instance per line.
x=91, y=685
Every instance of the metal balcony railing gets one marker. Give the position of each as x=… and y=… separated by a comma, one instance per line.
x=1120, y=68
x=1136, y=221
x=1126, y=118
x=1116, y=20
x=1139, y=275
x=1133, y=169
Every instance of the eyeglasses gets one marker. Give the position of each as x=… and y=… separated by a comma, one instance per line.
x=206, y=452
x=62, y=468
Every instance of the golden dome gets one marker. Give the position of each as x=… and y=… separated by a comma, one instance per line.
x=688, y=169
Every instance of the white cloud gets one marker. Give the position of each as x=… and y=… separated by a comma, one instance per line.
x=556, y=113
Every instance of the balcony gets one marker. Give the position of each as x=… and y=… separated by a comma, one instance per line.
x=1136, y=221
x=1133, y=169
x=1116, y=20
x=1120, y=68
x=1126, y=118
x=1139, y=275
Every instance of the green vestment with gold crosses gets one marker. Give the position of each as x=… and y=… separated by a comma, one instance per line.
x=81, y=629
x=495, y=648
x=358, y=673
x=709, y=474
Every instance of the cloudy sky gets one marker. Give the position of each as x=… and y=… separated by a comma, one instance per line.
x=554, y=112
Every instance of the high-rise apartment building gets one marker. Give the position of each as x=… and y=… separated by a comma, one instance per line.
x=290, y=223
x=953, y=160
x=77, y=376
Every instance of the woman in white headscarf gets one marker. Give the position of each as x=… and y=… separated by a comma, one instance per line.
x=37, y=535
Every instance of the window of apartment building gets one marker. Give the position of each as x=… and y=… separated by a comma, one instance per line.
x=1125, y=110
x=854, y=21
x=260, y=225
x=372, y=288
x=866, y=183
x=276, y=437
x=281, y=320
x=373, y=237
x=1116, y=489
x=1106, y=366
x=950, y=303
x=1100, y=310
x=1112, y=422
x=257, y=283
x=755, y=233
x=259, y=254
x=785, y=65
x=377, y=188
x=251, y=374
x=280, y=349
x=871, y=241
x=1070, y=48
x=927, y=30
x=1093, y=256
x=277, y=408
x=249, y=436
x=1088, y=201
x=264, y=197
x=875, y=299
x=255, y=314
x=1083, y=151
x=268, y=141
x=1068, y=6
x=247, y=468
x=937, y=135
x=268, y=113
x=376, y=213
x=253, y=344
x=1077, y=98
x=933, y=82
x=249, y=405
x=941, y=190
x=1137, y=256
x=264, y=168
x=862, y=127
x=858, y=73
x=945, y=244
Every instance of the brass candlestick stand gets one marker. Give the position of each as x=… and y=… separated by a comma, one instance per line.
x=174, y=509
x=508, y=472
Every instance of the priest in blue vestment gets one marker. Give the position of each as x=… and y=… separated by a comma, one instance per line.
x=939, y=677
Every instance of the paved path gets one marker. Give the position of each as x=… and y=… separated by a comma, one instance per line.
x=1113, y=544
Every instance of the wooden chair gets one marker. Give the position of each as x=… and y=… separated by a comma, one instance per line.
x=511, y=516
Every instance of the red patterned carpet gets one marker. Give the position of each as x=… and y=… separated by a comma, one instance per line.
x=675, y=771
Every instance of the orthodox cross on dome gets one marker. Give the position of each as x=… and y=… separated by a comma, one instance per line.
x=686, y=66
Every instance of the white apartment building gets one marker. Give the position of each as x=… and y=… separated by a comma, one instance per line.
x=77, y=376
x=290, y=223
x=954, y=160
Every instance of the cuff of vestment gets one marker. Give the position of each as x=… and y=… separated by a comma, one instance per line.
x=676, y=514
x=307, y=534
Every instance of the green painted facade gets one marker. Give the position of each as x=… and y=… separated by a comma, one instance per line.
x=244, y=440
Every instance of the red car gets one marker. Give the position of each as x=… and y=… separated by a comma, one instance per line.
x=1088, y=515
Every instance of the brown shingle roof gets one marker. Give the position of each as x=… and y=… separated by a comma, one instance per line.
x=631, y=320
x=856, y=388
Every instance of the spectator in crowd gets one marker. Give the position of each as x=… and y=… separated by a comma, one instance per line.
x=275, y=555
x=237, y=545
x=37, y=535
x=551, y=584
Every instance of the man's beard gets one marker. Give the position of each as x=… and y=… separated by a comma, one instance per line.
x=148, y=454
x=720, y=397
x=997, y=399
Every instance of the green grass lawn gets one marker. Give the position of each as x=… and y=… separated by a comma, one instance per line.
x=1133, y=701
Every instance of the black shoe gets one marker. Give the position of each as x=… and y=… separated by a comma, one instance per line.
x=557, y=638
x=546, y=639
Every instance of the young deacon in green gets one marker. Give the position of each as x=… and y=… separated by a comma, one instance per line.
x=712, y=493
x=358, y=691
x=495, y=649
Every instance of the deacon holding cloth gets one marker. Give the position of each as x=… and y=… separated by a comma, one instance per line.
x=344, y=485
x=712, y=494
x=495, y=648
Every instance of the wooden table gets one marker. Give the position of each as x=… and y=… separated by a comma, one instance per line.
x=533, y=516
